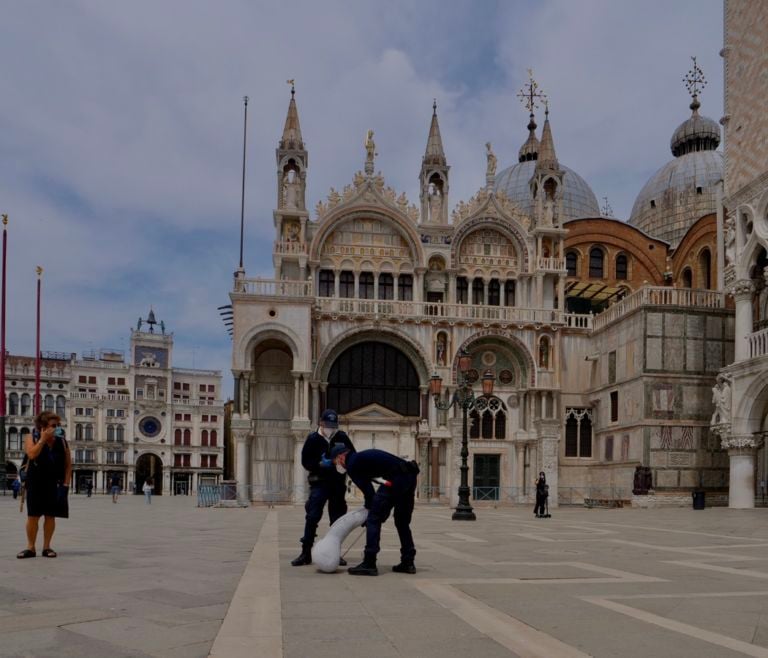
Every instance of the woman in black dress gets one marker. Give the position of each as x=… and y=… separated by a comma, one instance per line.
x=49, y=470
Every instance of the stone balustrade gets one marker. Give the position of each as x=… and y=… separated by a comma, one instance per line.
x=294, y=248
x=274, y=288
x=551, y=264
x=659, y=296
x=758, y=343
x=418, y=311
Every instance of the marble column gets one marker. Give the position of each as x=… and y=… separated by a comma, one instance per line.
x=299, y=474
x=435, y=476
x=519, y=470
x=241, y=432
x=741, y=457
x=742, y=293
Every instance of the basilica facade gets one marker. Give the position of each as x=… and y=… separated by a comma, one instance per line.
x=606, y=339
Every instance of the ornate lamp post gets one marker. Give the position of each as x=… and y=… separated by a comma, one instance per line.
x=464, y=397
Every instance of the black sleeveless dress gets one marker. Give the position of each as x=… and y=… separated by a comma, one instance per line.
x=43, y=477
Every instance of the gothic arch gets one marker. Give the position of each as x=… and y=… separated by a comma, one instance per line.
x=259, y=334
x=752, y=407
x=343, y=213
x=515, y=344
x=413, y=350
x=508, y=229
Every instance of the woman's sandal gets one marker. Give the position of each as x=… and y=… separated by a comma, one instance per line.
x=49, y=552
x=25, y=554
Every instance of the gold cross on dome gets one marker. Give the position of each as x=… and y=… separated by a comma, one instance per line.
x=694, y=80
x=530, y=95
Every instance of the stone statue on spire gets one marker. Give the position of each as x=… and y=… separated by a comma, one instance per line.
x=370, y=152
x=490, y=170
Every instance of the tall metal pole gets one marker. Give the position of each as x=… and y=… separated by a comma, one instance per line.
x=464, y=510
x=3, y=474
x=242, y=193
x=39, y=271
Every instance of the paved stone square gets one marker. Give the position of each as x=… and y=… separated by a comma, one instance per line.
x=135, y=580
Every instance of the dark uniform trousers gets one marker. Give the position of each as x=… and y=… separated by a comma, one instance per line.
x=400, y=497
x=331, y=492
x=541, y=501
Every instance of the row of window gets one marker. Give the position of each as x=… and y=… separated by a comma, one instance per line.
x=366, y=285
x=479, y=296
x=597, y=264
x=184, y=386
x=21, y=405
x=184, y=460
x=91, y=379
x=187, y=418
x=84, y=432
x=88, y=456
x=207, y=438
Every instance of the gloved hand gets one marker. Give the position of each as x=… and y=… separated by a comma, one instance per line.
x=325, y=463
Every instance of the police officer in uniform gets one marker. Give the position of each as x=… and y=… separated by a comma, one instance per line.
x=325, y=483
x=396, y=493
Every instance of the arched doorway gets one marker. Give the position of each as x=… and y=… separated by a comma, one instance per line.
x=149, y=465
x=272, y=403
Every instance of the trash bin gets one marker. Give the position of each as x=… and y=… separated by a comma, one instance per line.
x=698, y=499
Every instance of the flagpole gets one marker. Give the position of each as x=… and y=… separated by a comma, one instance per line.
x=37, y=405
x=242, y=193
x=3, y=473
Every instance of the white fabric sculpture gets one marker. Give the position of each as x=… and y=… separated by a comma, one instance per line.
x=327, y=552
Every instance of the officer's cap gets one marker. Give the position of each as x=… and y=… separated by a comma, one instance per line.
x=330, y=419
x=338, y=449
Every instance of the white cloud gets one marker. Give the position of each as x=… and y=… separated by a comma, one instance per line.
x=122, y=124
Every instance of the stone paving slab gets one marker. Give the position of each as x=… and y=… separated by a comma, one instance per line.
x=131, y=580
x=134, y=580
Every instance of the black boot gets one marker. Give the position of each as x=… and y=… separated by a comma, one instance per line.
x=342, y=562
x=366, y=568
x=404, y=567
x=304, y=558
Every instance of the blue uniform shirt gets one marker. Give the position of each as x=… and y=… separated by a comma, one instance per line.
x=365, y=465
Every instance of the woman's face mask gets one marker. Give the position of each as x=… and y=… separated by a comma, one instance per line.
x=327, y=432
x=341, y=469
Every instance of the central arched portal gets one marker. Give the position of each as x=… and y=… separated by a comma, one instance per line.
x=374, y=387
x=149, y=465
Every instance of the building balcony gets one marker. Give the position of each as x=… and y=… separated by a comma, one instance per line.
x=410, y=311
x=549, y=264
x=758, y=344
x=659, y=296
x=273, y=288
x=283, y=248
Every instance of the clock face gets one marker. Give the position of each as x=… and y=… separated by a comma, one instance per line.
x=149, y=426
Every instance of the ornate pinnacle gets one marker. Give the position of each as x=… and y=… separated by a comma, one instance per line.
x=5, y=219
x=530, y=95
x=292, y=82
x=695, y=82
x=39, y=270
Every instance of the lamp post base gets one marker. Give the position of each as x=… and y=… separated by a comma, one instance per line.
x=463, y=514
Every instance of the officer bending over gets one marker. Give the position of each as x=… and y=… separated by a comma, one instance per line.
x=325, y=483
x=397, y=492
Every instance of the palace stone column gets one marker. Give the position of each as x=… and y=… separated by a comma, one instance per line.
x=742, y=294
x=741, y=457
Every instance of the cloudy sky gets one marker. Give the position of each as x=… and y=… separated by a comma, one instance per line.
x=121, y=130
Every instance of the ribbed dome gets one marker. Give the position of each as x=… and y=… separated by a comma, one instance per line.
x=578, y=198
x=679, y=194
x=697, y=133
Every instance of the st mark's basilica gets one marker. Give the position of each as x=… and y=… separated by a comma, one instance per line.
x=626, y=355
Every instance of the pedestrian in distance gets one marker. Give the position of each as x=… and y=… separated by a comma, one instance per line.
x=16, y=487
x=147, y=489
x=326, y=485
x=542, y=496
x=48, y=471
x=89, y=488
x=116, y=486
x=396, y=493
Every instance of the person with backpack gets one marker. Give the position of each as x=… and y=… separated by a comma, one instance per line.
x=48, y=471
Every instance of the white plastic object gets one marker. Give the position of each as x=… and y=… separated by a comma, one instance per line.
x=327, y=552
